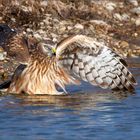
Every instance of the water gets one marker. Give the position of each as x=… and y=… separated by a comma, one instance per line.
x=90, y=113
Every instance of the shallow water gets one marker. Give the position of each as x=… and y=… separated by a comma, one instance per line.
x=89, y=113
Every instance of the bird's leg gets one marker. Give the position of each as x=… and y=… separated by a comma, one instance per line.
x=53, y=91
x=58, y=93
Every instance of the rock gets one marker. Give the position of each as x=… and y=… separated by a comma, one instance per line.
x=125, y=17
x=41, y=32
x=137, y=22
x=44, y=3
x=37, y=36
x=62, y=29
x=2, y=54
x=29, y=30
x=53, y=35
x=124, y=44
x=118, y=16
x=47, y=20
x=1, y=18
x=56, y=20
x=25, y=9
x=24, y=32
x=65, y=35
x=79, y=26
x=54, y=40
x=136, y=10
x=110, y=6
x=133, y=2
x=42, y=23
x=120, y=4
x=98, y=22
x=135, y=35
x=63, y=22
x=1, y=50
x=13, y=19
x=69, y=28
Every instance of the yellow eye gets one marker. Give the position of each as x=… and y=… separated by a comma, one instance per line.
x=53, y=50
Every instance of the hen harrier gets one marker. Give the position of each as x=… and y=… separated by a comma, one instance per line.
x=73, y=59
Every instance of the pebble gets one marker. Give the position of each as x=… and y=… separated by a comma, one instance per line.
x=136, y=10
x=133, y=2
x=29, y=30
x=62, y=29
x=37, y=36
x=124, y=44
x=69, y=28
x=24, y=8
x=46, y=21
x=54, y=39
x=1, y=18
x=100, y=22
x=42, y=23
x=1, y=50
x=41, y=32
x=13, y=19
x=110, y=6
x=125, y=17
x=137, y=22
x=53, y=35
x=56, y=20
x=63, y=22
x=3, y=55
x=135, y=34
x=79, y=26
x=118, y=16
x=44, y=3
x=121, y=4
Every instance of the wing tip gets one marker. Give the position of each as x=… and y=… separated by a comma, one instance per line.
x=125, y=87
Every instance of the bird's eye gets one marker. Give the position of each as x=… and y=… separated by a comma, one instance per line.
x=54, y=51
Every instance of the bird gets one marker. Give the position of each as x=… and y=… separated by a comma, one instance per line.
x=74, y=59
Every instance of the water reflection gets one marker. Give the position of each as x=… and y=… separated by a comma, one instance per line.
x=76, y=100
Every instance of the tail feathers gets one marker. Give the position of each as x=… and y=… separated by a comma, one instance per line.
x=5, y=84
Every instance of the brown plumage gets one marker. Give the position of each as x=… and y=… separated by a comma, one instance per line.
x=75, y=58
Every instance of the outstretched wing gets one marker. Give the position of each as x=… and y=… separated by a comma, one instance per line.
x=94, y=62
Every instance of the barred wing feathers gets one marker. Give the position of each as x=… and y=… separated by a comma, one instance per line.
x=94, y=62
